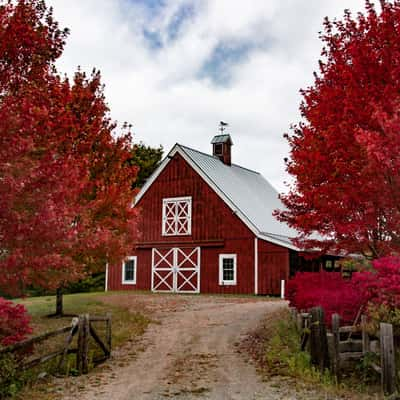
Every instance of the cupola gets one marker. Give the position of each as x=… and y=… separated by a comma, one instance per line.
x=222, y=148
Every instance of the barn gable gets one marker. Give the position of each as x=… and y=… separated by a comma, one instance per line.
x=247, y=193
x=212, y=222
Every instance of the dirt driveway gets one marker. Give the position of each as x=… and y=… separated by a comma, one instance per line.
x=190, y=352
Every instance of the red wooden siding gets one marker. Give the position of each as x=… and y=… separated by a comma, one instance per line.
x=273, y=266
x=143, y=273
x=215, y=228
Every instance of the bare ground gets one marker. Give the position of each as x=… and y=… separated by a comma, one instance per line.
x=189, y=352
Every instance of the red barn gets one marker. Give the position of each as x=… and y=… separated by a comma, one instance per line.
x=206, y=226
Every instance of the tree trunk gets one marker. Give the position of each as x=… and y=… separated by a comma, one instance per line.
x=59, y=302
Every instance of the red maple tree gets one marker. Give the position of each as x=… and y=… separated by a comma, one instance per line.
x=345, y=154
x=65, y=179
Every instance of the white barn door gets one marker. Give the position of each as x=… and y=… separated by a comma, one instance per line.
x=176, y=270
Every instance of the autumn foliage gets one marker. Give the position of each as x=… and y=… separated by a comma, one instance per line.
x=14, y=322
x=65, y=187
x=365, y=290
x=327, y=290
x=345, y=154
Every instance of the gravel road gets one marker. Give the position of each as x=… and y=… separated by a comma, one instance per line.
x=189, y=352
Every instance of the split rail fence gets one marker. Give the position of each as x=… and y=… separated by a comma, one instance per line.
x=83, y=327
x=345, y=344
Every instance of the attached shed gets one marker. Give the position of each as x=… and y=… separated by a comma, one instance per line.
x=206, y=226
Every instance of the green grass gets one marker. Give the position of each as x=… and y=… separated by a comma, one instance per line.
x=280, y=355
x=284, y=357
x=126, y=326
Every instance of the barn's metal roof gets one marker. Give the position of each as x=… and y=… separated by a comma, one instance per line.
x=248, y=190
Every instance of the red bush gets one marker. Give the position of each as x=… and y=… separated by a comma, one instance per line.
x=327, y=290
x=345, y=297
x=14, y=322
x=382, y=286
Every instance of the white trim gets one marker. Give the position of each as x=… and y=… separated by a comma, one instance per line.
x=255, y=265
x=278, y=242
x=152, y=270
x=222, y=282
x=131, y=282
x=198, y=272
x=282, y=289
x=106, y=280
x=174, y=228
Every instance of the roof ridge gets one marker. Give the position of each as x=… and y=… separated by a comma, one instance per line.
x=216, y=158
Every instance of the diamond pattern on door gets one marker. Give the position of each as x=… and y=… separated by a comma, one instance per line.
x=176, y=270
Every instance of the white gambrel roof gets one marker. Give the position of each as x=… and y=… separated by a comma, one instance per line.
x=246, y=192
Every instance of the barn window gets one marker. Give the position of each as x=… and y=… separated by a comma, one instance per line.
x=227, y=269
x=177, y=216
x=129, y=270
x=218, y=149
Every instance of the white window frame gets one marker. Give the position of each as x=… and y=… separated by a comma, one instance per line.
x=176, y=200
x=223, y=282
x=130, y=282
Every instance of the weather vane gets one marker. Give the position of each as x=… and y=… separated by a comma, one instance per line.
x=222, y=126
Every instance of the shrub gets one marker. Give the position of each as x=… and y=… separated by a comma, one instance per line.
x=328, y=290
x=9, y=380
x=382, y=286
x=375, y=291
x=14, y=322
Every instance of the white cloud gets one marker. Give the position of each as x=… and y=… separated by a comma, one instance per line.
x=165, y=93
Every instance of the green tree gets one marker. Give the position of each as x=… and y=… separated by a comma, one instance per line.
x=147, y=159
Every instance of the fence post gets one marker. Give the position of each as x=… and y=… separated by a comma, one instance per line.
x=387, y=359
x=68, y=340
x=293, y=313
x=108, y=332
x=299, y=322
x=85, y=353
x=318, y=339
x=304, y=330
x=336, y=340
x=79, y=345
x=365, y=336
x=82, y=355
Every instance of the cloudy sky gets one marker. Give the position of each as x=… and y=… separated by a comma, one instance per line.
x=175, y=68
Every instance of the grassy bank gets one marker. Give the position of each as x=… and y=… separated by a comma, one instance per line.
x=126, y=326
x=276, y=348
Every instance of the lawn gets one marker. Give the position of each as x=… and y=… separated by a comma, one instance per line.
x=125, y=324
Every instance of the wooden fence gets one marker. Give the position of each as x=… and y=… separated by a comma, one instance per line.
x=81, y=326
x=345, y=344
